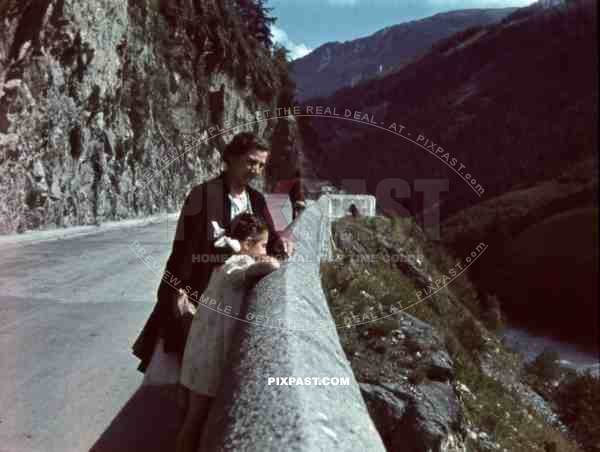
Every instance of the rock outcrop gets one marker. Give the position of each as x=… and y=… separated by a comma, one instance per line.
x=416, y=418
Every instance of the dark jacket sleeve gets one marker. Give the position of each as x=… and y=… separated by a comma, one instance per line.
x=178, y=268
x=275, y=243
x=162, y=322
x=178, y=272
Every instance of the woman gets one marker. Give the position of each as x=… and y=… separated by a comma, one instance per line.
x=193, y=255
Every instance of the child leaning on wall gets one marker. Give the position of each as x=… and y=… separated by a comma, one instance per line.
x=212, y=328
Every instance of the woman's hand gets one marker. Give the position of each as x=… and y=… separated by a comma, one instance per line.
x=288, y=246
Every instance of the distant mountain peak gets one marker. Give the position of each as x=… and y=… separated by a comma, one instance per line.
x=335, y=65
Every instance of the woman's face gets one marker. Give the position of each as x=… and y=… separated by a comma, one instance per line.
x=256, y=247
x=248, y=166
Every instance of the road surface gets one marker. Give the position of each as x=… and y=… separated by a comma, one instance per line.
x=70, y=310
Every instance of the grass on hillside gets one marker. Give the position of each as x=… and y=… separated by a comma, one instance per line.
x=352, y=285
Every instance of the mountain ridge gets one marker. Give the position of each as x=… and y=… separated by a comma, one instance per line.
x=482, y=94
x=337, y=64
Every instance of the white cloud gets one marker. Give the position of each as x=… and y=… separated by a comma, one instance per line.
x=281, y=37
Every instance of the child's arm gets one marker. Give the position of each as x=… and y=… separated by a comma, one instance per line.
x=247, y=271
x=263, y=266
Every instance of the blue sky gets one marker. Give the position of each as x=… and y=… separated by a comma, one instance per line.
x=303, y=25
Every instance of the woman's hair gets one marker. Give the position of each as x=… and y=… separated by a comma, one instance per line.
x=247, y=226
x=242, y=143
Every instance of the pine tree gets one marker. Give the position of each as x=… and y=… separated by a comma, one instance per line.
x=256, y=16
x=281, y=58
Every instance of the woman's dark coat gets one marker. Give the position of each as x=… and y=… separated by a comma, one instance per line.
x=192, y=260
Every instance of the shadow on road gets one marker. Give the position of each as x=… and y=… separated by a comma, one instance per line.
x=147, y=423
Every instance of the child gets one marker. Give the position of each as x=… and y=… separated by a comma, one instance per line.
x=211, y=330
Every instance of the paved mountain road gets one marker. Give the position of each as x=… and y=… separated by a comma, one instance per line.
x=70, y=310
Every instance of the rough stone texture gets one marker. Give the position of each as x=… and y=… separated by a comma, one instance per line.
x=251, y=415
x=386, y=409
x=417, y=418
x=95, y=96
x=422, y=339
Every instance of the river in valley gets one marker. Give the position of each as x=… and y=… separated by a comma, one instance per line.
x=532, y=344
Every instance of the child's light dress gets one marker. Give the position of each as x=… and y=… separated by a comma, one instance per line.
x=211, y=331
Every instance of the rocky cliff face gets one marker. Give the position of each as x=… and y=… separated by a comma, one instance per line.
x=103, y=105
